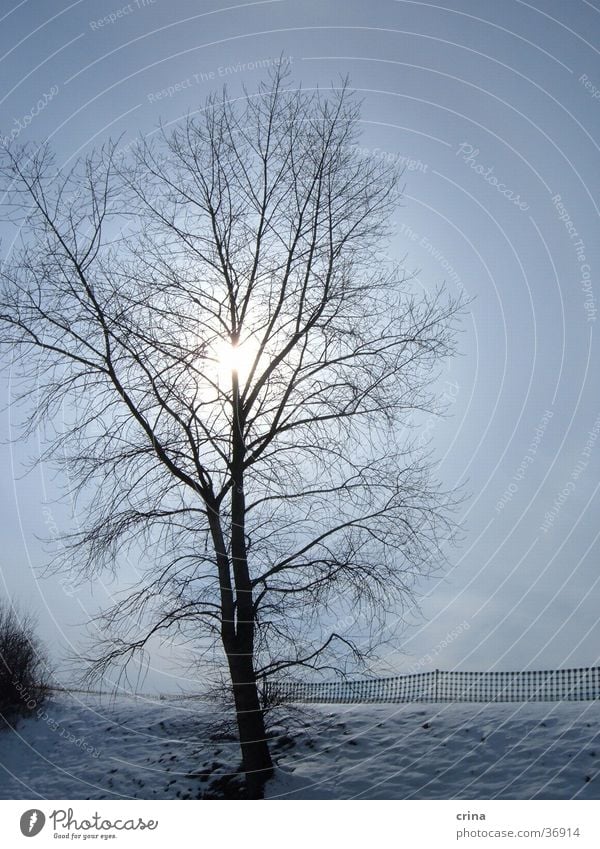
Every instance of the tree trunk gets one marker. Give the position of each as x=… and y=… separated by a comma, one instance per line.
x=256, y=757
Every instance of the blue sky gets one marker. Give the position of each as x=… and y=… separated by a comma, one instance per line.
x=495, y=107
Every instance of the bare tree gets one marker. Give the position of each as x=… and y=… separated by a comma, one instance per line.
x=232, y=366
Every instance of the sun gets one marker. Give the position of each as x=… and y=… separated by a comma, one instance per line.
x=235, y=359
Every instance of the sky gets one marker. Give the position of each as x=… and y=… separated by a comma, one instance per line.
x=493, y=108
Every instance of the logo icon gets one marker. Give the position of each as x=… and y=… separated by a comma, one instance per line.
x=32, y=822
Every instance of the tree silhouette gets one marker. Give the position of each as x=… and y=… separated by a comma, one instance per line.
x=23, y=666
x=232, y=366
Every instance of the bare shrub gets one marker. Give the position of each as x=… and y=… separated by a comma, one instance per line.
x=23, y=685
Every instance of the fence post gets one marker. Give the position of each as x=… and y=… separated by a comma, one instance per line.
x=435, y=686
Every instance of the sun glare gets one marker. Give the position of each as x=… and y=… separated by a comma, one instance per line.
x=236, y=359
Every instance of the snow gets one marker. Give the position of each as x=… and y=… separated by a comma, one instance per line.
x=445, y=751
x=91, y=747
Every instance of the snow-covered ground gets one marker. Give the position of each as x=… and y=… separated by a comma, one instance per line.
x=91, y=747
x=87, y=747
x=445, y=751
